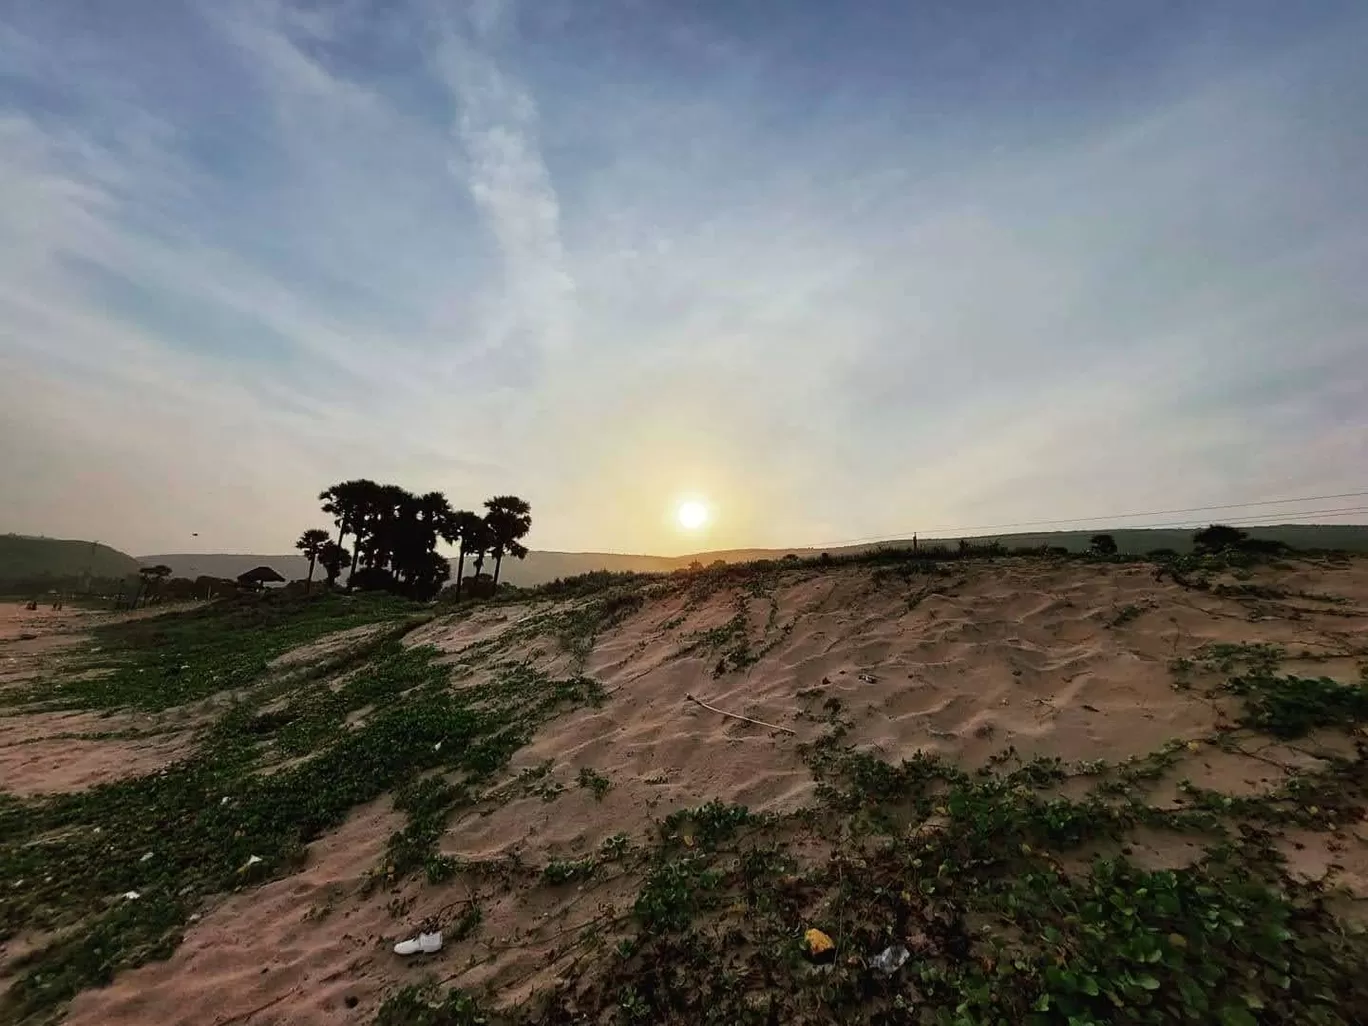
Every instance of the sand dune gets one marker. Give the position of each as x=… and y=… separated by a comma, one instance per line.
x=1014, y=653
x=70, y=751
x=1067, y=660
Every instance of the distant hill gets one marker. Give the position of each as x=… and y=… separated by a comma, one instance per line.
x=540, y=567
x=228, y=565
x=25, y=559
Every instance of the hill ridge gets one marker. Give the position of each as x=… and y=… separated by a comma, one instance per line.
x=543, y=565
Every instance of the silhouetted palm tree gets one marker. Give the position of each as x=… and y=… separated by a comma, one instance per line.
x=311, y=543
x=509, y=519
x=468, y=528
x=396, y=536
x=410, y=530
x=350, y=504
x=339, y=502
x=333, y=557
x=480, y=544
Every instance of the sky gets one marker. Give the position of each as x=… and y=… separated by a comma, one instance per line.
x=837, y=271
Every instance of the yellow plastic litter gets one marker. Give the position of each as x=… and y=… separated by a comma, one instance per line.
x=818, y=943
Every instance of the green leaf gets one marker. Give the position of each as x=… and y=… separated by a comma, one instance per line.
x=1194, y=997
x=1090, y=986
x=1147, y=981
x=1234, y=1015
x=1042, y=1003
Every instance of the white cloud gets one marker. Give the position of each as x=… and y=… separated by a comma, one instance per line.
x=501, y=164
x=370, y=268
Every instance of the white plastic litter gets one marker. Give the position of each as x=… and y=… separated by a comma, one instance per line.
x=132, y=895
x=869, y=678
x=145, y=857
x=424, y=943
x=437, y=747
x=890, y=959
x=252, y=861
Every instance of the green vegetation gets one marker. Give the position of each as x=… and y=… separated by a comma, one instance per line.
x=966, y=872
x=1125, y=615
x=1290, y=707
x=595, y=782
x=1102, y=545
x=1130, y=542
x=35, y=566
x=1015, y=902
x=23, y=556
x=579, y=627
x=1187, y=563
x=181, y=657
x=114, y=872
x=1015, y=890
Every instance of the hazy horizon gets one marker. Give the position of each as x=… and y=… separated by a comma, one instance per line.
x=838, y=276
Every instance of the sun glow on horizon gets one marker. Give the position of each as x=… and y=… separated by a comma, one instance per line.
x=691, y=515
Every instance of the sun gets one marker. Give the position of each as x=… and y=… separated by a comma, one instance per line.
x=691, y=515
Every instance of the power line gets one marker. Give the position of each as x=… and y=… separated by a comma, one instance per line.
x=964, y=531
x=1248, y=521
x=1259, y=520
x=1158, y=512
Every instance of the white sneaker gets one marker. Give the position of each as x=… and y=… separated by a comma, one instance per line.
x=424, y=943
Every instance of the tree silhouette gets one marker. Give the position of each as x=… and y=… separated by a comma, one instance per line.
x=481, y=542
x=1218, y=537
x=396, y=535
x=354, y=506
x=311, y=543
x=150, y=583
x=341, y=502
x=509, y=519
x=415, y=526
x=379, y=509
x=1102, y=545
x=467, y=527
x=333, y=557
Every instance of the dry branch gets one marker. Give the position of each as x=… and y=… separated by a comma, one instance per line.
x=737, y=716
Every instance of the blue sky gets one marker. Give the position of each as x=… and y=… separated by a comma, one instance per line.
x=843, y=271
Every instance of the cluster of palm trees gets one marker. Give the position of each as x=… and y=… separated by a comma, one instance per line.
x=394, y=536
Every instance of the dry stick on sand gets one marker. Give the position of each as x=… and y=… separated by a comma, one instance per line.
x=735, y=716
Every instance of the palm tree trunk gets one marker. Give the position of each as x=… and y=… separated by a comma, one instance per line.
x=308, y=582
x=356, y=553
x=460, y=569
x=498, y=563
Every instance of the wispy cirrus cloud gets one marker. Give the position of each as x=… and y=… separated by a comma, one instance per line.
x=500, y=162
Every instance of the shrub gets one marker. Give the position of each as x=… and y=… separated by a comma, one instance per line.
x=481, y=586
x=1102, y=545
x=1218, y=538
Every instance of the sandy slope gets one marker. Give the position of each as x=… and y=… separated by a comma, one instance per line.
x=69, y=751
x=1017, y=653
x=1058, y=659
